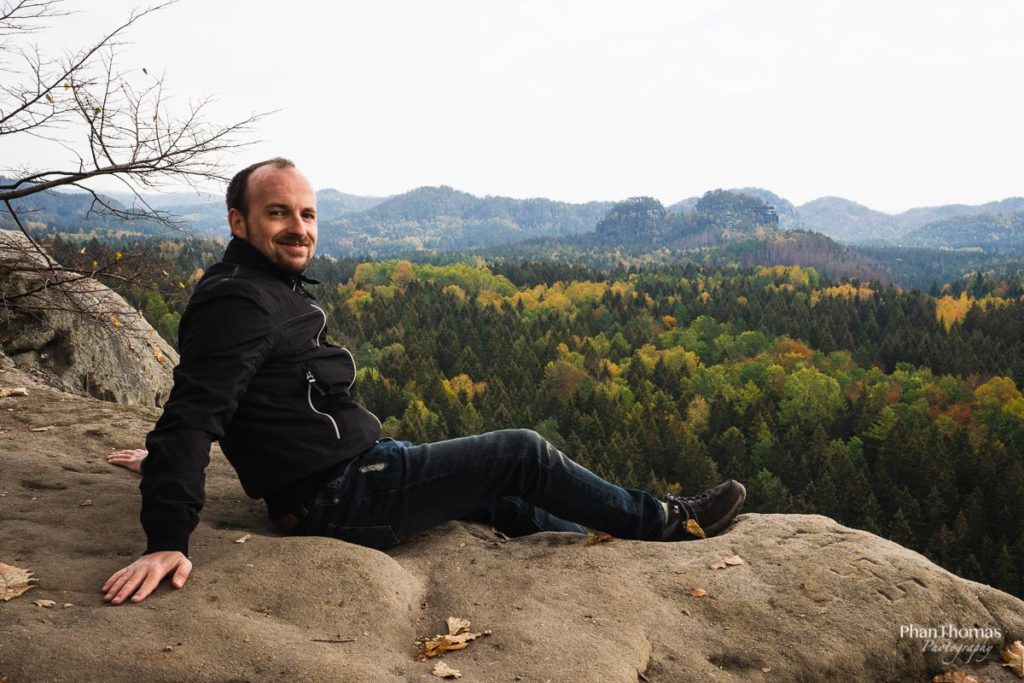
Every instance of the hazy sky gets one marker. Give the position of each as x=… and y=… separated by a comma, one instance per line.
x=891, y=104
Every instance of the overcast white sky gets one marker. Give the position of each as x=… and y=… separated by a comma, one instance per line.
x=891, y=104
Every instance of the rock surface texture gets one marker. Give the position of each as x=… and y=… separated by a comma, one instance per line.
x=812, y=600
x=77, y=334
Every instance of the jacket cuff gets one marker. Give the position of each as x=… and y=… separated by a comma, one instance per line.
x=167, y=541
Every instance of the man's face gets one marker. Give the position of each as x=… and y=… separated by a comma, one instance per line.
x=281, y=220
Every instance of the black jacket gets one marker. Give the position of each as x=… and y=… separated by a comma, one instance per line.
x=256, y=374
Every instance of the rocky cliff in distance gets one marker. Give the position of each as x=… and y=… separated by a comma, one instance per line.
x=77, y=333
x=812, y=600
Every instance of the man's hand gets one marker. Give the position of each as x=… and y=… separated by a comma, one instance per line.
x=130, y=458
x=141, y=577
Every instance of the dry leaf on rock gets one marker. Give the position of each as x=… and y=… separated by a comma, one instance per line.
x=48, y=604
x=458, y=638
x=600, y=538
x=14, y=581
x=698, y=593
x=243, y=539
x=731, y=561
x=85, y=503
x=1013, y=656
x=956, y=676
x=442, y=670
x=457, y=625
x=694, y=529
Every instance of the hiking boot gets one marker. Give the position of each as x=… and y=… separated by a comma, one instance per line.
x=710, y=512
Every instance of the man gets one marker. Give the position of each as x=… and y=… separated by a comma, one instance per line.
x=257, y=374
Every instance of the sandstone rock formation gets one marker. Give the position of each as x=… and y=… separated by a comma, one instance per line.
x=80, y=335
x=812, y=601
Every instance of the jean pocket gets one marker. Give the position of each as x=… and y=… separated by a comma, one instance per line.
x=379, y=537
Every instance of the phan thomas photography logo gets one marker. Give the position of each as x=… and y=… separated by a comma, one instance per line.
x=956, y=644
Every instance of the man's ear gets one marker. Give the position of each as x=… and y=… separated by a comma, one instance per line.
x=236, y=221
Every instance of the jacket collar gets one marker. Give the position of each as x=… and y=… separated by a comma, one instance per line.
x=240, y=252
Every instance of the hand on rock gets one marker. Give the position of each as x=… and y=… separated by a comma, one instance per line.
x=141, y=577
x=130, y=458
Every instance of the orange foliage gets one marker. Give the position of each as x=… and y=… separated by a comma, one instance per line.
x=960, y=413
x=791, y=349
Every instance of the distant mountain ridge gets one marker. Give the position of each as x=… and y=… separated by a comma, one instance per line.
x=445, y=219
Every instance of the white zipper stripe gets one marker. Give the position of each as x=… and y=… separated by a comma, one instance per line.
x=309, y=397
x=322, y=327
x=309, y=390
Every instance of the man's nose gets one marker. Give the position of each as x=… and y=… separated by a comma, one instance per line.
x=295, y=224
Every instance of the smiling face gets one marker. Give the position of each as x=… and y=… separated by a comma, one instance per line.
x=281, y=217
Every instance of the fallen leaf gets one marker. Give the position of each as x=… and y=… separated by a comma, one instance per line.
x=457, y=625
x=600, y=538
x=458, y=638
x=956, y=676
x=731, y=561
x=41, y=429
x=243, y=539
x=1013, y=656
x=14, y=581
x=694, y=529
x=48, y=604
x=13, y=391
x=698, y=593
x=442, y=670
x=765, y=669
x=85, y=503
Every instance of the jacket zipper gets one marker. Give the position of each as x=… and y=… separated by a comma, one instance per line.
x=311, y=382
x=323, y=326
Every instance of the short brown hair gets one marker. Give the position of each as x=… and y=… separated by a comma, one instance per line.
x=236, y=197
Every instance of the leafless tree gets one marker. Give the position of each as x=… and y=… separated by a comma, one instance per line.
x=108, y=121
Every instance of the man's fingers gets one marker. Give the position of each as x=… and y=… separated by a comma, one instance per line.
x=181, y=573
x=113, y=577
x=130, y=458
x=151, y=581
x=130, y=583
x=140, y=578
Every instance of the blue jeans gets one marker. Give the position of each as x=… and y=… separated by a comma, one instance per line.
x=512, y=478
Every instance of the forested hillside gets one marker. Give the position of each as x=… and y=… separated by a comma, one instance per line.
x=842, y=399
x=897, y=412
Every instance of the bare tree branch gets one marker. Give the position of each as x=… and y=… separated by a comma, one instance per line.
x=108, y=122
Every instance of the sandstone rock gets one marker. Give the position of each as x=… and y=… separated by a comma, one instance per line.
x=812, y=601
x=78, y=334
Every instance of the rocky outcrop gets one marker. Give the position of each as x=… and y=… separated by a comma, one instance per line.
x=812, y=600
x=77, y=333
